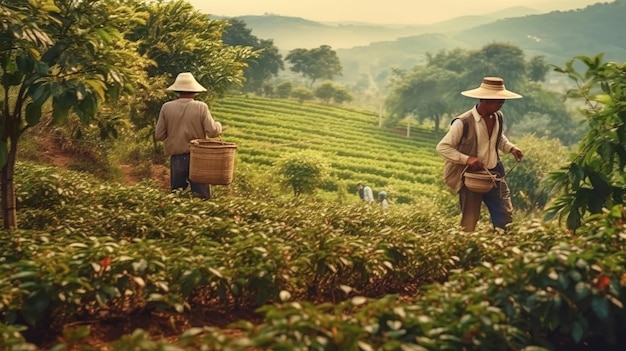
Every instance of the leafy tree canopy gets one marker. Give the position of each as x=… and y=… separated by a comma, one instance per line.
x=177, y=38
x=314, y=64
x=432, y=91
x=60, y=57
x=594, y=180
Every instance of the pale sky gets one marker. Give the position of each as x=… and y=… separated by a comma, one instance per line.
x=387, y=11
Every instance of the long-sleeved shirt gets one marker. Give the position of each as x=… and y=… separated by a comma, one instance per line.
x=447, y=147
x=183, y=120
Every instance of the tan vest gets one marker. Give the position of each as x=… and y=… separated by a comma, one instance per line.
x=453, y=172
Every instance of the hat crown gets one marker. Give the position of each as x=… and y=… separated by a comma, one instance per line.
x=493, y=83
x=491, y=88
x=185, y=82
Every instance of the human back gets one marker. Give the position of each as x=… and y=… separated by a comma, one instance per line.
x=186, y=119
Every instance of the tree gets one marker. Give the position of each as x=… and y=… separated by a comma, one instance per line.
x=341, y=95
x=60, y=58
x=283, y=90
x=433, y=90
x=302, y=94
x=262, y=68
x=594, y=179
x=471, y=66
x=421, y=93
x=314, y=64
x=303, y=171
x=325, y=91
x=328, y=91
x=177, y=38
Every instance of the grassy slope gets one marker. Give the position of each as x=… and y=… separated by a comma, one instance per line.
x=266, y=129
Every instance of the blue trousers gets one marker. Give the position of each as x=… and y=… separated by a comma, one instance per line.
x=179, y=177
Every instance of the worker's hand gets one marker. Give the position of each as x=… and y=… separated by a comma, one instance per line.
x=517, y=153
x=474, y=163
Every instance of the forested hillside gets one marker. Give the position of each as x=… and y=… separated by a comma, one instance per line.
x=557, y=35
x=560, y=35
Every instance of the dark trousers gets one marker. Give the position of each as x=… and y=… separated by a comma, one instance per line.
x=179, y=177
x=497, y=200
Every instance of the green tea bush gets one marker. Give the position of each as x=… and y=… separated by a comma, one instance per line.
x=541, y=156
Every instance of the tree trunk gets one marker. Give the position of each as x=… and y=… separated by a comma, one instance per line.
x=7, y=189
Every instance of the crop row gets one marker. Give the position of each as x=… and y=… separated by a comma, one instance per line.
x=96, y=249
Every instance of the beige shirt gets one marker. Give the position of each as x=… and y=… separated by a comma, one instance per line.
x=183, y=120
x=486, y=150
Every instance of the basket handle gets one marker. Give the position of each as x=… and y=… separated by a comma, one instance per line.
x=493, y=177
x=216, y=139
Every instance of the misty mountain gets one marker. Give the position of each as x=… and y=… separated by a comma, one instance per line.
x=294, y=32
x=558, y=36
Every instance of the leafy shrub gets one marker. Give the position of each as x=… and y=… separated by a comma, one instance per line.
x=302, y=171
x=541, y=156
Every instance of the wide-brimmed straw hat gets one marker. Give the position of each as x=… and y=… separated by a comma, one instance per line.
x=491, y=88
x=185, y=82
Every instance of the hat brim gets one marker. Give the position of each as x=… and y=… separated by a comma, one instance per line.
x=481, y=93
x=186, y=90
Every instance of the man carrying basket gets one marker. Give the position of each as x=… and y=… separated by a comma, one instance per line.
x=181, y=121
x=472, y=145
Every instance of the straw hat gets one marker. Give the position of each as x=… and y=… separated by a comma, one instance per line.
x=187, y=83
x=491, y=88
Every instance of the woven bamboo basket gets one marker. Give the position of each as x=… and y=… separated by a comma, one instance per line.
x=479, y=182
x=211, y=161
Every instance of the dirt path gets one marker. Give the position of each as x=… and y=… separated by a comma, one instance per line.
x=54, y=154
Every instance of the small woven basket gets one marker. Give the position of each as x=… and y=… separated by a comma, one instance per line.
x=211, y=161
x=479, y=182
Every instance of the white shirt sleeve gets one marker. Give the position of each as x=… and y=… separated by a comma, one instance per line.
x=447, y=146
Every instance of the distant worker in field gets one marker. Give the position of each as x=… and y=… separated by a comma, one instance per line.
x=365, y=193
x=181, y=121
x=382, y=199
x=473, y=143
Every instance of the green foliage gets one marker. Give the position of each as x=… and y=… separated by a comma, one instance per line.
x=284, y=89
x=541, y=156
x=177, y=38
x=101, y=247
x=432, y=91
x=314, y=64
x=594, y=178
x=73, y=55
x=69, y=59
x=422, y=93
x=328, y=91
x=303, y=171
x=324, y=91
x=302, y=94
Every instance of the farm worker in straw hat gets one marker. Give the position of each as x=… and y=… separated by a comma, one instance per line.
x=474, y=141
x=181, y=121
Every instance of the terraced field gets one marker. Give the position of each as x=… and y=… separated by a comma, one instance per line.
x=350, y=140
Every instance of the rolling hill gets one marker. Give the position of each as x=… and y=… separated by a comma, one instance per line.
x=293, y=32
